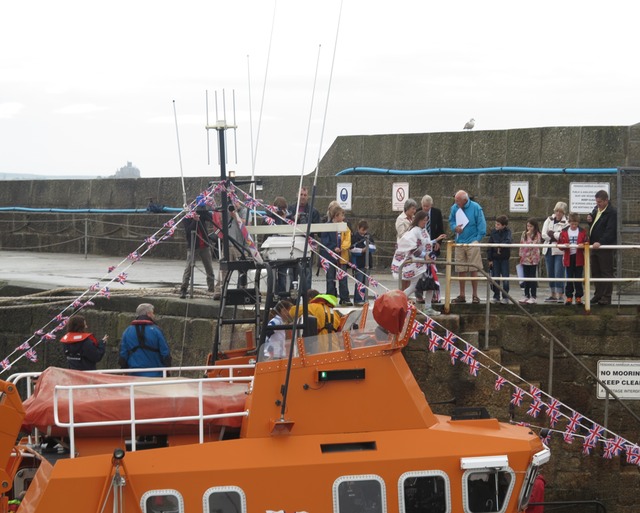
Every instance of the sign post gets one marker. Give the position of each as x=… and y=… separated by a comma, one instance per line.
x=399, y=194
x=344, y=194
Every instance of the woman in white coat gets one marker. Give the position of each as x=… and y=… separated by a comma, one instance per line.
x=551, y=229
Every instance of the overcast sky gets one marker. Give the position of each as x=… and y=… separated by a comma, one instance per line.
x=87, y=86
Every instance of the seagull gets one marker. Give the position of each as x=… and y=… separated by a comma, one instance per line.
x=469, y=124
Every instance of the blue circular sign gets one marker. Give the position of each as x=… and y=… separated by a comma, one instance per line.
x=344, y=194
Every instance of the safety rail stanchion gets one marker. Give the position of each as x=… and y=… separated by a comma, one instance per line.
x=587, y=274
x=447, y=280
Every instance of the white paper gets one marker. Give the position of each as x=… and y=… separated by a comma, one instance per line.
x=461, y=218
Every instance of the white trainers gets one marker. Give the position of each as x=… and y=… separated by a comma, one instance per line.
x=524, y=301
x=495, y=300
x=431, y=312
x=504, y=301
x=532, y=301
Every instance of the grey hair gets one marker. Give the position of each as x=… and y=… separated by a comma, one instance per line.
x=426, y=200
x=144, y=309
x=410, y=203
x=561, y=205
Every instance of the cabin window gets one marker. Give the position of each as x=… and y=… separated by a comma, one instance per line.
x=421, y=492
x=225, y=499
x=162, y=501
x=357, y=494
x=487, y=490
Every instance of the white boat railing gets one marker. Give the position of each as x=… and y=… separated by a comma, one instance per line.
x=132, y=387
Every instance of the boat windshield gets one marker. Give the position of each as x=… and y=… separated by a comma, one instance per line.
x=331, y=342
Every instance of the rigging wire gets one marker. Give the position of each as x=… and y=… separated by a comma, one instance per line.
x=184, y=191
x=303, y=280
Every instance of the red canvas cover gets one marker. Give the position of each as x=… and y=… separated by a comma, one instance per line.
x=104, y=404
x=390, y=311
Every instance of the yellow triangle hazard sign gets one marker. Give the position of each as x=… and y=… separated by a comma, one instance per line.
x=519, y=196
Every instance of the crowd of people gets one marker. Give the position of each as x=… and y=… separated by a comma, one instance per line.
x=420, y=231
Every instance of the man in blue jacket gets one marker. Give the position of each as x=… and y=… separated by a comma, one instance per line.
x=468, y=223
x=143, y=344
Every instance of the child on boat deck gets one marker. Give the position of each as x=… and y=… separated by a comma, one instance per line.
x=530, y=258
x=498, y=257
x=573, y=258
x=275, y=344
x=336, y=253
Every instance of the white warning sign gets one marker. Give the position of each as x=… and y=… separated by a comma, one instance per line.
x=582, y=196
x=399, y=194
x=519, y=197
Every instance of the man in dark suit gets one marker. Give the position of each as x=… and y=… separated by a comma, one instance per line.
x=603, y=231
x=435, y=228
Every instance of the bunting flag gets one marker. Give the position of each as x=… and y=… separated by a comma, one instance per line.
x=105, y=293
x=324, y=263
x=567, y=437
x=151, y=242
x=427, y=327
x=122, y=278
x=32, y=355
x=633, y=454
x=448, y=341
x=24, y=346
x=553, y=412
x=535, y=391
x=270, y=221
x=416, y=328
x=534, y=408
x=434, y=342
x=94, y=287
x=574, y=422
x=453, y=354
x=474, y=367
x=468, y=354
x=613, y=447
x=340, y=275
x=500, y=381
x=49, y=336
x=547, y=438
x=111, y=269
x=5, y=364
x=373, y=283
x=134, y=257
x=517, y=397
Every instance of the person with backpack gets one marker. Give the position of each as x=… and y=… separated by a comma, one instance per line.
x=143, y=344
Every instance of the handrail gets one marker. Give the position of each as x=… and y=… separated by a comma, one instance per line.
x=598, y=506
x=132, y=421
x=553, y=338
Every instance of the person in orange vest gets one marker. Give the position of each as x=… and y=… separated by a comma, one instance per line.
x=82, y=349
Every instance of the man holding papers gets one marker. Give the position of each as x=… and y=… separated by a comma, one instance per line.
x=468, y=223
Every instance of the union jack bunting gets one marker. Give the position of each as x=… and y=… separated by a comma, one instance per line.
x=23, y=346
x=49, y=336
x=271, y=208
x=5, y=364
x=517, y=397
x=500, y=381
x=269, y=220
x=468, y=354
x=134, y=257
x=553, y=412
x=32, y=355
x=39, y=333
x=568, y=437
x=434, y=343
x=633, y=454
x=613, y=447
x=111, y=269
x=88, y=303
x=592, y=438
x=448, y=341
x=191, y=215
x=313, y=243
x=60, y=326
x=534, y=408
x=122, y=278
x=251, y=203
x=76, y=304
x=454, y=352
x=574, y=422
x=105, y=292
x=170, y=232
x=169, y=223
x=60, y=317
x=416, y=328
x=474, y=367
x=547, y=438
x=373, y=283
x=94, y=287
x=290, y=222
x=151, y=241
x=324, y=263
x=428, y=325
x=340, y=275
x=535, y=391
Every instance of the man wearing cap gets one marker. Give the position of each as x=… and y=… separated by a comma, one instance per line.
x=195, y=227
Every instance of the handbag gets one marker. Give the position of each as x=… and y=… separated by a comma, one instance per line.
x=520, y=273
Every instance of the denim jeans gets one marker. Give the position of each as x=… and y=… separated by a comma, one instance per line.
x=500, y=268
x=555, y=269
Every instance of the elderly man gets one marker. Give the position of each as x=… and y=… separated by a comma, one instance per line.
x=467, y=221
x=603, y=231
x=435, y=228
x=143, y=344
